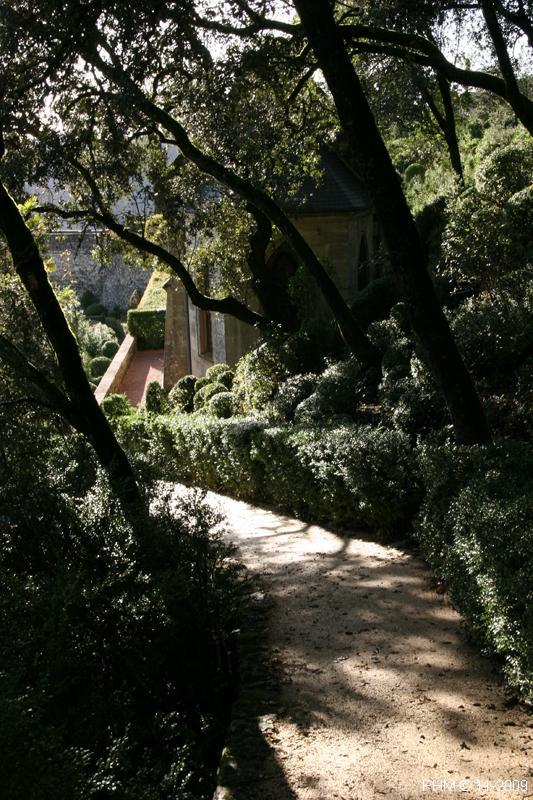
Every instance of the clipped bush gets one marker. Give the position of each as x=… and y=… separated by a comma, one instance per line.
x=148, y=326
x=338, y=390
x=96, y=310
x=495, y=329
x=99, y=365
x=155, y=401
x=291, y=393
x=92, y=337
x=226, y=379
x=181, y=395
x=217, y=369
x=414, y=171
x=116, y=405
x=202, y=397
x=345, y=475
x=110, y=348
x=475, y=527
x=222, y=405
x=117, y=327
x=88, y=298
x=201, y=382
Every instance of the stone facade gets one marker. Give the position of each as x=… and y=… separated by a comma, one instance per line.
x=77, y=267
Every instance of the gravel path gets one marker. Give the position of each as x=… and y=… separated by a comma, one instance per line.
x=382, y=696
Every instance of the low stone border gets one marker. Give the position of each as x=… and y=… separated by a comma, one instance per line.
x=113, y=376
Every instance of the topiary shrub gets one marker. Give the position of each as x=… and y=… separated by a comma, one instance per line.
x=226, y=378
x=338, y=390
x=110, y=348
x=155, y=401
x=202, y=397
x=181, y=396
x=92, y=337
x=117, y=327
x=98, y=366
x=414, y=171
x=116, y=405
x=96, y=311
x=217, y=369
x=88, y=298
x=291, y=393
x=201, y=382
x=148, y=326
x=475, y=527
x=222, y=405
x=494, y=330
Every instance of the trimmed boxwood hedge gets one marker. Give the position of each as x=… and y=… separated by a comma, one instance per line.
x=148, y=327
x=343, y=475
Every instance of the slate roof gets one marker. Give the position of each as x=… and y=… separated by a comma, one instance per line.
x=339, y=189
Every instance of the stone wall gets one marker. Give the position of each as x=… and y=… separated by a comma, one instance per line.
x=76, y=267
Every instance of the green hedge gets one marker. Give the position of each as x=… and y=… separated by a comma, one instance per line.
x=345, y=476
x=148, y=326
x=475, y=528
x=147, y=321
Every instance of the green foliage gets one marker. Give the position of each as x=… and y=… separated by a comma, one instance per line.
x=494, y=329
x=222, y=405
x=413, y=171
x=181, y=395
x=117, y=328
x=205, y=393
x=110, y=348
x=476, y=529
x=112, y=678
x=338, y=390
x=116, y=405
x=220, y=373
x=155, y=297
x=344, y=475
x=98, y=366
x=147, y=321
x=96, y=311
x=87, y=299
x=506, y=171
x=148, y=326
x=156, y=401
x=291, y=393
x=375, y=301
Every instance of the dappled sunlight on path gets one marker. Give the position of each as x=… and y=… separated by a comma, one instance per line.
x=380, y=688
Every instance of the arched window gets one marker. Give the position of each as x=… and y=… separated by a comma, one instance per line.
x=363, y=265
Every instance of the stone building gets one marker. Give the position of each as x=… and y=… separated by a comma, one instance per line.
x=336, y=218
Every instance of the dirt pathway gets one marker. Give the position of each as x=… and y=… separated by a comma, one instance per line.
x=382, y=696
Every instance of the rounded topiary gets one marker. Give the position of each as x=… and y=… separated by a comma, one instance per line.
x=217, y=369
x=226, y=378
x=201, y=382
x=116, y=405
x=110, y=348
x=413, y=171
x=156, y=401
x=96, y=311
x=181, y=396
x=99, y=365
x=222, y=405
x=88, y=298
x=116, y=326
x=202, y=397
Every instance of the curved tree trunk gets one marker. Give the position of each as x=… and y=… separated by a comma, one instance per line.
x=399, y=229
x=91, y=419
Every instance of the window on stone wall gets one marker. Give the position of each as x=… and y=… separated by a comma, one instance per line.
x=363, y=265
x=205, y=334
